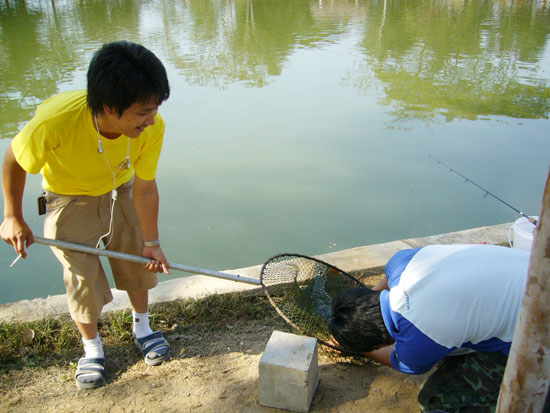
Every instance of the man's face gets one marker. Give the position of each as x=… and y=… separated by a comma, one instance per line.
x=135, y=119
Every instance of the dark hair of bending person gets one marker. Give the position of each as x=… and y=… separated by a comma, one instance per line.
x=357, y=323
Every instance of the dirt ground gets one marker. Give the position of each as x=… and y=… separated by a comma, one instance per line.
x=211, y=370
x=208, y=373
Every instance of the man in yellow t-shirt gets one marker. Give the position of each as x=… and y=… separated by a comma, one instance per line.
x=97, y=151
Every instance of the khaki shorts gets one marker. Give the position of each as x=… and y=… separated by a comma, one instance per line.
x=84, y=219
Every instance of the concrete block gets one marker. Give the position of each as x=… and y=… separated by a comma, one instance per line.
x=289, y=372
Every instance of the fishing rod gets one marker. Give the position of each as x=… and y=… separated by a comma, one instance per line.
x=530, y=219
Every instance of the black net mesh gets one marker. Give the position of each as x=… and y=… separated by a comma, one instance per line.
x=302, y=288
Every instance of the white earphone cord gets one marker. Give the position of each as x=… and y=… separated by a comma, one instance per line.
x=114, y=193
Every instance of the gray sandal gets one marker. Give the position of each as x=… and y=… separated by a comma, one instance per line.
x=90, y=373
x=154, y=347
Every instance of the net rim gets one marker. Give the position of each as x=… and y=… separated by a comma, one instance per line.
x=290, y=255
x=280, y=312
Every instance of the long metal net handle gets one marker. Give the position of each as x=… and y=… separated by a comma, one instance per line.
x=142, y=260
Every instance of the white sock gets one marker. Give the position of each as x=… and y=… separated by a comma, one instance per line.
x=141, y=326
x=93, y=348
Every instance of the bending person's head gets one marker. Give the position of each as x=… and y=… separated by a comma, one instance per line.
x=123, y=73
x=357, y=323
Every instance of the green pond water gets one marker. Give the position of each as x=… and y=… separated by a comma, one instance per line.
x=303, y=126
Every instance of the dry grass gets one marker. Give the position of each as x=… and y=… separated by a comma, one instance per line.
x=56, y=340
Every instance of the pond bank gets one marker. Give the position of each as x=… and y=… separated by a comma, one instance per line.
x=360, y=260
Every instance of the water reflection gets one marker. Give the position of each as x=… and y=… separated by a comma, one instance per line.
x=217, y=43
x=24, y=80
x=458, y=59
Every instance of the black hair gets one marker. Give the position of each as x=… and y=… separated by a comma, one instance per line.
x=123, y=73
x=357, y=323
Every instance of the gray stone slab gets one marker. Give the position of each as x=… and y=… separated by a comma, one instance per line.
x=497, y=235
x=289, y=372
x=361, y=258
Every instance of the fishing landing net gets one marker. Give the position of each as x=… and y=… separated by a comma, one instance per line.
x=301, y=289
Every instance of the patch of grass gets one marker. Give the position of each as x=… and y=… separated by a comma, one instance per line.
x=57, y=340
x=53, y=339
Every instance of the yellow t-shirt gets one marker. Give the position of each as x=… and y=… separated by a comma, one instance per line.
x=61, y=143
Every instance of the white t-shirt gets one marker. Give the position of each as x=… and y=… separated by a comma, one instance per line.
x=447, y=297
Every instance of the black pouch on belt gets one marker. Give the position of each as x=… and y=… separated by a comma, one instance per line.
x=42, y=204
